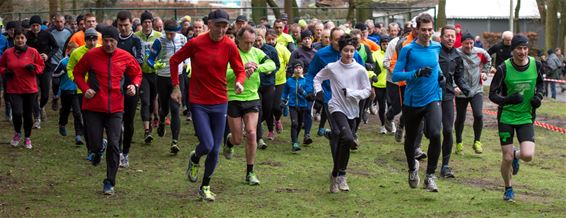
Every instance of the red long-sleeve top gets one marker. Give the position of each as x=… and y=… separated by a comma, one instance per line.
x=209, y=62
x=105, y=76
x=22, y=81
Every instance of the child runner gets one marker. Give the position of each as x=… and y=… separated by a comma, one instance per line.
x=294, y=96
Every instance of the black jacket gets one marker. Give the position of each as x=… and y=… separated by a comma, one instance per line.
x=43, y=42
x=502, y=53
x=452, y=67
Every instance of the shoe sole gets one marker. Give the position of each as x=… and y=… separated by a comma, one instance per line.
x=307, y=141
x=174, y=149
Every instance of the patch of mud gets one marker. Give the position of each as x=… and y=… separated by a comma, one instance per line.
x=271, y=163
x=289, y=190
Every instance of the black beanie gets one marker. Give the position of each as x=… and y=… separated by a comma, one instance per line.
x=110, y=32
x=519, y=40
x=305, y=34
x=35, y=19
x=146, y=15
x=467, y=36
x=12, y=24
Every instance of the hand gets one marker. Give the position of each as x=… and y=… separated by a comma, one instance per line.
x=345, y=92
x=43, y=56
x=131, y=90
x=374, y=78
x=159, y=65
x=514, y=99
x=89, y=94
x=310, y=97
x=176, y=94
x=31, y=68
x=457, y=91
x=483, y=76
x=492, y=70
x=249, y=71
x=423, y=72
x=536, y=101
x=319, y=97
x=239, y=88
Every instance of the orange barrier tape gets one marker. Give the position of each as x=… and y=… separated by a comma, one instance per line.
x=537, y=123
x=555, y=80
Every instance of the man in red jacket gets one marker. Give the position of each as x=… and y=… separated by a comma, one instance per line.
x=103, y=102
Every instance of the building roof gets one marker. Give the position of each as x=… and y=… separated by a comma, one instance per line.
x=489, y=9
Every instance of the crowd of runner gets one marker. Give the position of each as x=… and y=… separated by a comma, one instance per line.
x=231, y=79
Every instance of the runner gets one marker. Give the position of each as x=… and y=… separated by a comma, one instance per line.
x=20, y=66
x=501, y=50
x=283, y=38
x=210, y=54
x=161, y=51
x=148, y=92
x=452, y=68
x=418, y=65
x=294, y=97
x=477, y=63
x=106, y=67
x=379, y=87
x=517, y=88
x=349, y=84
x=244, y=107
x=61, y=34
x=280, y=77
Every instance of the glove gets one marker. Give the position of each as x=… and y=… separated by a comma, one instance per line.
x=319, y=97
x=283, y=103
x=536, y=101
x=310, y=97
x=31, y=68
x=9, y=74
x=159, y=65
x=374, y=79
x=423, y=72
x=513, y=99
x=369, y=67
x=345, y=92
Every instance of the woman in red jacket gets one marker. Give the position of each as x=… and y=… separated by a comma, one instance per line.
x=20, y=65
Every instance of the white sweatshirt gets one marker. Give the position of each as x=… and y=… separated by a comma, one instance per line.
x=353, y=77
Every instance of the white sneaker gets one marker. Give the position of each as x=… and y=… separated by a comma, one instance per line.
x=382, y=130
x=334, y=188
x=342, y=183
x=37, y=124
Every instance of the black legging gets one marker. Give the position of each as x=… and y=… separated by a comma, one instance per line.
x=341, y=139
x=277, y=110
x=414, y=116
x=184, y=86
x=22, y=105
x=297, y=119
x=164, y=89
x=323, y=116
x=148, y=94
x=44, y=84
x=111, y=123
x=380, y=97
x=461, y=107
x=70, y=103
x=358, y=120
x=130, y=106
x=447, y=127
x=267, y=97
x=394, y=102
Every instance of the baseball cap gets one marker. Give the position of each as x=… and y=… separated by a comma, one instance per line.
x=218, y=15
x=242, y=18
x=91, y=33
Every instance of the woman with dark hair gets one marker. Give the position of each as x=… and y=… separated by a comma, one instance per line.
x=20, y=65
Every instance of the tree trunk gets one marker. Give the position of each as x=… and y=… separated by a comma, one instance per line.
x=516, y=18
x=351, y=10
x=295, y=9
x=562, y=36
x=542, y=10
x=74, y=6
x=364, y=10
x=289, y=10
x=274, y=7
x=441, y=19
x=259, y=10
x=550, y=25
x=6, y=6
x=53, y=7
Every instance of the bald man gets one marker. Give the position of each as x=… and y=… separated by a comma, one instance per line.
x=502, y=50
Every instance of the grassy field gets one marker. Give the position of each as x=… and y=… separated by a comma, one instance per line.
x=55, y=180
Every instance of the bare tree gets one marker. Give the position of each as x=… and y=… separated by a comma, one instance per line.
x=441, y=20
x=53, y=7
x=259, y=9
x=516, y=18
x=550, y=25
x=274, y=7
x=562, y=38
x=541, y=4
x=351, y=10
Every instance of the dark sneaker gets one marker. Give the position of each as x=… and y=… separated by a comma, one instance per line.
x=174, y=147
x=419, y=154
x=147, y=137
x=161, y=130
x=108, y=189
x=515, y=163
x=307, y=140
x=446, y=172
x=509, y=195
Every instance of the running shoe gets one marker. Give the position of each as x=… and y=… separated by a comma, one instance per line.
x=270, y=135
x=295, y=147
x=515, y=163
x=174, y=147
x=167, y=121
x=399, y=134
x=459, y=148
x=382, y=130
x=108, y=189
x=373, y=109
x=342, y=183
x=27, y=143
x=189, y=118
x=96, y=158
x=37, y=123
x=334, y=187
x=228, y=152
x=155, y=123
x=317, y=117
x=446, y=172
x=89, y=156
x=262, y=145
x=278, y=127
x=78, y=140
x=62, y=131
x=15, y=140
x=509, y=195
x=414, y=179
x=430, y=184
x=147, y=137
x=55, y=103
x=43, y=114
x=389, y=125
x=205, y=194
x=307, y=140
x=192, y=169
x=477, y=147
x=251, y=179
x=321, y=132
x=124, y=163
x=161, y=130
x=419, y=154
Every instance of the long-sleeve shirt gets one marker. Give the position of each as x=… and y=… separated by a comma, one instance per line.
x=60, y=36
x=475, y=63
x=66, y=85
x=78, y=40
x=3, y=44
x=303, y=54
x=420, y=91
x=22, y=81
x=209, y=63
x=291, y=92
x=502, y=52
x=147, y=42
x=76, y=55
x=352, y=77
x=284, y=56
x=162, y=49
x=251, y=85
x=43, y=42
x=271, y=52
x=452, y=67
x=322, y=58
x=554, y=64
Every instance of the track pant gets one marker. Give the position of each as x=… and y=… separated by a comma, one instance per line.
x=148, y=94
x=130, y=107
x=112, y=123
x=277, y=110
x=297, y=119
x=308, y=118
x=380, y=99
x=44, y=84
x=394, y=96
x=447, y=127
x=70, y=103
x=267, y=96
x=323, y=116
x=461, y=107
x=164, y=89
x=209, y=122
x=341, y=139
x=432, y=114
x=22, y=105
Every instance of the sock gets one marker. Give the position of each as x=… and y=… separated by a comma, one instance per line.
x=342, y=173
x=249, y=168
x=508, y=187
x=205, y=182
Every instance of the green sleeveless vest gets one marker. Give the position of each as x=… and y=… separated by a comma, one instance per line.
x=523, y=83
